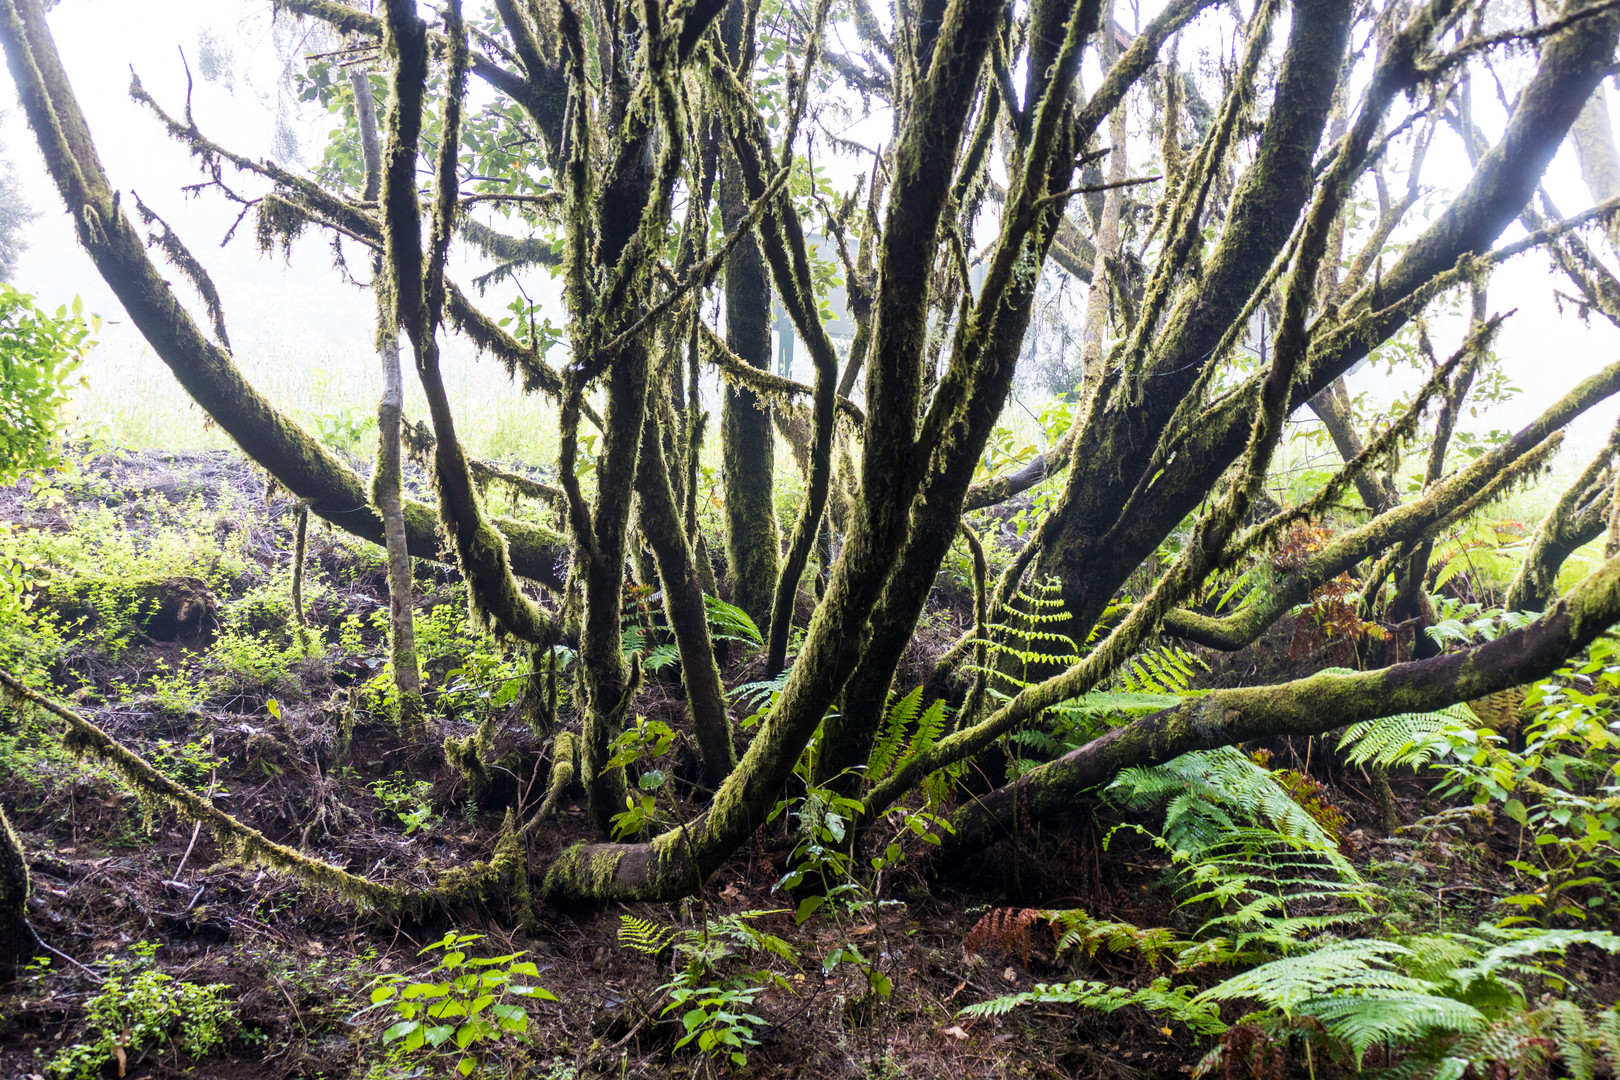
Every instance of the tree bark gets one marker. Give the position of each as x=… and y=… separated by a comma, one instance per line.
x=684, y=608
x=386, y=482
x=16, y=938
x=747, y=443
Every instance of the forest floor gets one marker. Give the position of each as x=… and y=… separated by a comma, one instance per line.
x=205, y=679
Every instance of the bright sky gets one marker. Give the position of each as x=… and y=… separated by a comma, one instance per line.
x=303, y=313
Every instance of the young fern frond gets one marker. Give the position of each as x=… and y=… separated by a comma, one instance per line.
x=643, y=935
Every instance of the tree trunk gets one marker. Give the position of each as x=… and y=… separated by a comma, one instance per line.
x=684, y=608
x=747, y=444
x=386, y=483
x=16, y=939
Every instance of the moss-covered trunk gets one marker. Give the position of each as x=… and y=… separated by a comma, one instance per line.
x=387, y=480
x=684, y=608
x=16, y=939
x=747, y=443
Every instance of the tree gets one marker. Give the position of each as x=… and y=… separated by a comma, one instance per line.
x=15, y=217
x=1232, y=305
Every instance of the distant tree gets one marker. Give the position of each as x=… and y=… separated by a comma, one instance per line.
x=15, y=217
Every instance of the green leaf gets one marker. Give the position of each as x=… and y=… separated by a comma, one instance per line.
x=400, y=1030
x=808, y=907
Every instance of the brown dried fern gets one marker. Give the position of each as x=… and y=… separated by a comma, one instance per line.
x=1004, y=930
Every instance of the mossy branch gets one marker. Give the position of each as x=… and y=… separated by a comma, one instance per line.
x=768, y=385
x=1304, y=707
x=84, y=737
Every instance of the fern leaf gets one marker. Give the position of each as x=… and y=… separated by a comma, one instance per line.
x=1361, y=1020
x=727, y=622
x=643, y=935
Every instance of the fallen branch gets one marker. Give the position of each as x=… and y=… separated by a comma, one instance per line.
x=83, y=737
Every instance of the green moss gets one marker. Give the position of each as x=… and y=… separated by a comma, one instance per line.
x=584, y=872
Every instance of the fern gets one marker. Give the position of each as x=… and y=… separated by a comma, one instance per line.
x=1025, y=637
x=1360, y=1021
x=1178, y=1002
x=727, y=622
x=1359, y=965
x=702, y=948
x=1117, y=703
x=1409, y=739
x=893, y=749
x=1162, y=670
x=758, y=697
x=1269, y=870
x=643, y=935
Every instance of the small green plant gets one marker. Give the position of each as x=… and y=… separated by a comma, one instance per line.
x=39, y=355
x=714, y=1008
x=715, y=1017
x=177, y=693
x=140, y=1009
x=644, y=741
x=411, y=801
x=190, y=763
x=461, y=1010
x=346, y=429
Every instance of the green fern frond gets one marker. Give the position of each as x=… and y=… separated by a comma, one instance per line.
x=1407, y=739
x=1164, y=669
x=1177, y=1002
x=1361, y=1020
x=727, y=622
x=643, y=935
x=759, y=696
x=661, y=657
x=1120, y=702
x=1268, y=872
x=892, y=748
x=1076, y=931
x=1361, y=965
